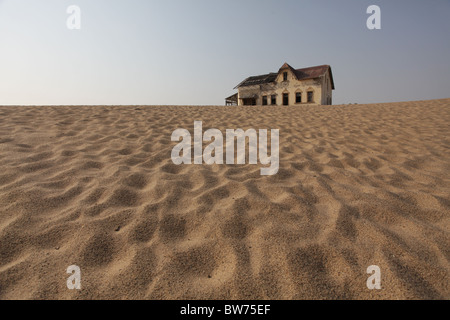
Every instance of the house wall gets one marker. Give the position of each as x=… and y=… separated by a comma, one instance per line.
x=249, y=91
x=320, y=86
x=327, y=91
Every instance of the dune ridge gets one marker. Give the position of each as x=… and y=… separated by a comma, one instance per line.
x=95, y=186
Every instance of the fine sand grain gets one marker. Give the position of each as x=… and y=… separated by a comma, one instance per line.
x=95, y=186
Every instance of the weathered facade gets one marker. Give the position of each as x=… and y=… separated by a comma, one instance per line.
x=289, y=86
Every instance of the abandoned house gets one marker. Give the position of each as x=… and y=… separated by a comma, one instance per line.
x=289, y=86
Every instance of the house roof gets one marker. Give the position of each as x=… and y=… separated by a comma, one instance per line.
x=232, y=97
x=314, y=72
x=301, y=74
x=286, y=66
x=257, y=80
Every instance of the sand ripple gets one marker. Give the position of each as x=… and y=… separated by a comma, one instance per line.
x=95, y=187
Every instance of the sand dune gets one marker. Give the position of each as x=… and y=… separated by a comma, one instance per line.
x=358, y=185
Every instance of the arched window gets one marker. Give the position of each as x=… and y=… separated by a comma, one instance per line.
x=310, y=95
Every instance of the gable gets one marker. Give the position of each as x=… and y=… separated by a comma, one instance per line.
x=286, y=68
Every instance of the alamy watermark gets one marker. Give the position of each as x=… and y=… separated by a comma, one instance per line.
x=74, y=20
x=74, y=281
x=374, y=281
x=213, y=153
x=374, y=21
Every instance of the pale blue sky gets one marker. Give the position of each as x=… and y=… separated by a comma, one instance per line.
x=195, y=51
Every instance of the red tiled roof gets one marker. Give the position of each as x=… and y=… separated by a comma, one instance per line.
x=314, y=72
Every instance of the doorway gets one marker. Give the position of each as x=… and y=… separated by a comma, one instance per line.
x=285, y=99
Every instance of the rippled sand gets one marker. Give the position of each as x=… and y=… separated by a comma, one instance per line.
x=358, y=185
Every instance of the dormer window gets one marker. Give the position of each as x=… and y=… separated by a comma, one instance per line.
x=284, y=76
